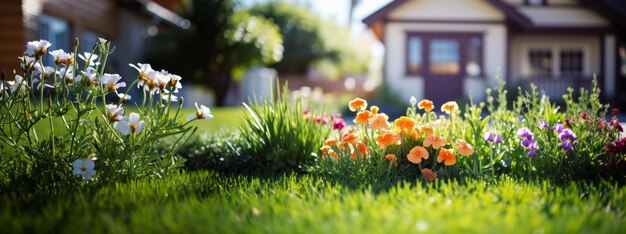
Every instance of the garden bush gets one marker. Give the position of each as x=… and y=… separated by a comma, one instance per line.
x=68, y=125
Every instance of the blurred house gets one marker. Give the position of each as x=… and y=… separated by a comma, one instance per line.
x=125, y=22
x=445, y=49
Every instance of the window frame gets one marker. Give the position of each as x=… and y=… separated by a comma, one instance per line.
x=462, y=37
x=556, y=59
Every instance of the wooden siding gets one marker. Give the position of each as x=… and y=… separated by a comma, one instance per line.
x=11, y=35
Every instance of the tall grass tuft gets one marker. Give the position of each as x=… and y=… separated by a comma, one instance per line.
x=277, y=133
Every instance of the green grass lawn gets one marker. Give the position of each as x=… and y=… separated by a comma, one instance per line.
x=223, y=117
x=208, y=202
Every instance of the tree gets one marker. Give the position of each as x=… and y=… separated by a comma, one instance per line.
x=310, y=40
x=219, y=46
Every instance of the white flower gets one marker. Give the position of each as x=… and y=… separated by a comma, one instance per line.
x=143, y=69
x=124, y=97
x=102, y=41
x=41, y=84
x=60, y=57
x=203, y=112
x=115, y=112
x=133, y=125
x=162, y=80
x=84, y=167
x=1, y=89
x=37, y=48
x=19, y=82
x=152, y=79
x=66, y=74
x=89, y=58
x=90, y=76
x=26, y=62
x=175, y=82
x=110, y=81
x=413, y=101
x=167, y=96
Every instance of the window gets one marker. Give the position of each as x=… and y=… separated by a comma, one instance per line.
x=444, y=56
x=87, y=40
x=571, y=62
x=414, y=65
x=540, y=62
x=57, y=32
x=622, y=59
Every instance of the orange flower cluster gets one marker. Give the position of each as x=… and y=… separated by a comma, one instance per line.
x=388, y=134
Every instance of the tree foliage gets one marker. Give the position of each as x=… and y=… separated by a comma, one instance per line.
x=219, y=46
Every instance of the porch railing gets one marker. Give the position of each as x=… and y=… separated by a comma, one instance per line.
x=555, y=87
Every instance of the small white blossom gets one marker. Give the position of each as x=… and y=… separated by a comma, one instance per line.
x=132, y=125
x=89, y=58
x=90, y=76
x=202, y=112
x=60, y=57
x=84, y=167
x=102, y=41
x=175, y=82
x=167, y=96
x=115, y=113
x=162, y=80
x=18, y=83
x=413, y=101
x=26, y=62
x=152, y=79
x=1, y=90
x=41, y=84
x=110, y=81
x=143, y=69
x=124, y=97
x=66, y=75
x=37, y=48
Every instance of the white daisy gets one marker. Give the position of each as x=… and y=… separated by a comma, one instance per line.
x=132, y=125
x=60, y=57
x=89, y=58
x=110, y=81
x=202, y=112
x=84, y=167
x=115, y=113
x=37, y=48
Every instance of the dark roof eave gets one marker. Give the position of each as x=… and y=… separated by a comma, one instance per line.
x=382, y=12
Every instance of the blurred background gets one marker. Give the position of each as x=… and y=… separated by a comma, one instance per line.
x=330, y=51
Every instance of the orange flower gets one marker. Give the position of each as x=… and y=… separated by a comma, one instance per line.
x=357, y=104
x=349, y=138
x=416, y=135
x=405, y=124
x=427, y=130
x=333, y=154
x=387, y=137
x=330, y=141
x=436, y=141
x=325, y=149
x=417, y=154
x=426, y=104
x=374, y=109
x=449, y=107
x=363, y=117
x=363, y=152
x=447, y=155
x=380, y=121
x=464, y=148
x=390, y=157
x=429, y=175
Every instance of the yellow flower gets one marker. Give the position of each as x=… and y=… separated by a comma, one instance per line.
x=380, y=122
x=357, y=104
x=417, y=154
x=405, y=124
x=464, y=148
x=426, y=105
x=450, y=107
x=374, y=109
x=447, y=155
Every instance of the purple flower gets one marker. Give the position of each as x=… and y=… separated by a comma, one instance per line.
x=527, y=143
x=524, y=132
x=567, y=145
x=567, y=134
x=542, y=124
x=533, y=149
x=489, y=137
x=498, y=139
x=339, y=124
x=557, y=127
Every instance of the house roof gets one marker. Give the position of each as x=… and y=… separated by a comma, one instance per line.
x=614, y=10
x=153, y=8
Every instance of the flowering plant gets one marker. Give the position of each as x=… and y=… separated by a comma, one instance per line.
x=71, y=118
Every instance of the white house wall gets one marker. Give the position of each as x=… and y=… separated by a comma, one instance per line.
x=520, y=44
x=494, y=56
x=446, y=10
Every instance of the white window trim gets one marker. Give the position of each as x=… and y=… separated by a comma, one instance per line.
x=556, y=56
